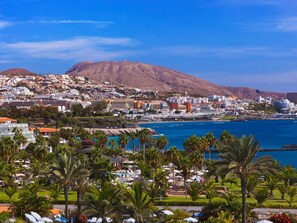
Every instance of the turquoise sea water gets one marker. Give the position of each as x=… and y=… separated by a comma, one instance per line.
x=270, y=134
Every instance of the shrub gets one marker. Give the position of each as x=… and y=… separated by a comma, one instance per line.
x=280, y=218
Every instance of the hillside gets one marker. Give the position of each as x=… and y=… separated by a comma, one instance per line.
x=17, y=72
x=146, y=76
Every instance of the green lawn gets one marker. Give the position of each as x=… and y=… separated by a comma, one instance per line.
x=72, y=196
x=274, y=202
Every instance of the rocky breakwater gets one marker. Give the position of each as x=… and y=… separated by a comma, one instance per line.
x=120, y=131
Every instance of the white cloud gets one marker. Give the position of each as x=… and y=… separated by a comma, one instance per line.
x=287, y=24
x=69, y=21
x=222, y=52
x=99, y=24
x=4, y=24
x=76, y=49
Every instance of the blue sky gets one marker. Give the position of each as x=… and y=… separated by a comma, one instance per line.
x=229, y=42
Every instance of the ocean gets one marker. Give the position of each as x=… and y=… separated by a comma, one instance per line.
x=271, y=134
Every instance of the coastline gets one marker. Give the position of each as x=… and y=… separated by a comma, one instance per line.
x=208, y=120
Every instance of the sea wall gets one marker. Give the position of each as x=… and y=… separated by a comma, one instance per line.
x=120, y=131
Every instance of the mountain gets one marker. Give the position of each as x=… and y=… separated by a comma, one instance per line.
x=146, y=76
x=17, y=72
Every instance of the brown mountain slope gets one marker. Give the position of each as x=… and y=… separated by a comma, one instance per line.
x=158, y=78
x=17, y=72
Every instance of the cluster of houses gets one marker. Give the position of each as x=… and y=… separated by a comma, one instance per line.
x=63, y=91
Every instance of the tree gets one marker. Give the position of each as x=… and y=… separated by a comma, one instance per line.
x=185, y=165
x=133, y=137
x=55, y=191
x=292, y=192
x=138, y=203
x=162, y=142
x=209, y=190
x=282, y=189
x=8, y=149
x=81, y=182
x=144, y=138
x=192, y=143
x=10, y=190
x=123, y=141
x=153, y=157
x=261, y=195
x=39, y=149
x=211, y=141
x=19, y=138
x=195, y=189
x=64, y=170
x=271, y=182
x=101, y=201
x=252, y=183
x=77, y=110
x=100, y=139
x=288, y=174
x=239, y=156
x=101, y=170
x=225, y=138
x=54, y=140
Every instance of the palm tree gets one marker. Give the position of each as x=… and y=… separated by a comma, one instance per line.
x=185, y=165
x=271, y=183
x=133, y=137
x=100, y=138
x=101, y=170
x=8, y=149
x=209, y=190
x=144, y=138
x=197, y=159
x=123, y=141
x=292, y=192
x=211, y=141
x=239, y=156
x=282, y=189
x=19, y=138
x=225, y=138
x=153, y=157
x=252, y=183
x=192, y=143
x=287, y=174
x=64, y=170
x=162, y=142
x=81, y=182
x=261, y=195
x=172, y=155
x=101, y=201
x=139, y=203
x=195, y=189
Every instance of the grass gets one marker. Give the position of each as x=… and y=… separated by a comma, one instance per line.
x=274, y=202
x=72, y=196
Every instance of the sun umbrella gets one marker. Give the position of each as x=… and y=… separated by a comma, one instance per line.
x=61, y=219
x=108, y=219
x=36, y=216
x=264, y=221
x=167, y=212
x=129, y=220
x=47, y=220
x=190, y=219
x=31, y=218
x=93, y=220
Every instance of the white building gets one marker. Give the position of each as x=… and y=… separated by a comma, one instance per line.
x=8, y=125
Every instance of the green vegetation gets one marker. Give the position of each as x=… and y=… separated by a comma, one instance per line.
x=233, y=185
